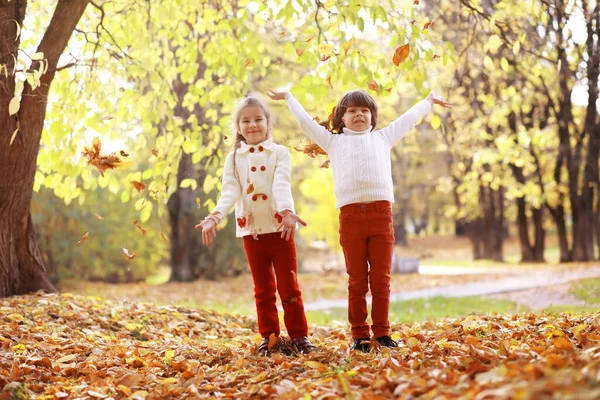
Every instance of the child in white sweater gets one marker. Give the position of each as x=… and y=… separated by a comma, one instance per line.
x=362, y=176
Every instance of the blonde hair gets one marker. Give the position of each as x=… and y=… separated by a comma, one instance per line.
x=249, y=100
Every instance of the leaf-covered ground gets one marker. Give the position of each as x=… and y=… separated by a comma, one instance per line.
x=63, y=346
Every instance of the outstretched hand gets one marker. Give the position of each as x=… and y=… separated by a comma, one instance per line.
x=435, y=99
x=209, y=231
x=276, y=95
x=288, y=225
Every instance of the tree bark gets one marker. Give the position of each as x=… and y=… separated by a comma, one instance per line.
x=583, y=244
x=21, y=264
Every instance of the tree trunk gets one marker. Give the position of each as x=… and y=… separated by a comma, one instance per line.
x=540, y=235
x=583, y=241
x=474, y=230
x=181, y=216
x=21, y=264
x=526, y=248
x=558, y=215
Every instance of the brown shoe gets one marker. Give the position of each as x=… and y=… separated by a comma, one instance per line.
x=303, y=346
x=263, y=347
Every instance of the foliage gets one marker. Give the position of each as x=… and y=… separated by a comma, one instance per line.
x=109, y=227
x=70, y=346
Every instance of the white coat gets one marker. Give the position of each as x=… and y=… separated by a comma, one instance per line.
x=265, y=176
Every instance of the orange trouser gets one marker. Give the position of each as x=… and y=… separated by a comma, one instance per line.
x=271, y=252
x=367, y=237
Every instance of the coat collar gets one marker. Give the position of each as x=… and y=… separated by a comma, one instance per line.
x=245, y=147
x=350, y=132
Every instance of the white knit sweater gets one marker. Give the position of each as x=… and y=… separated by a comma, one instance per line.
x=361, y=163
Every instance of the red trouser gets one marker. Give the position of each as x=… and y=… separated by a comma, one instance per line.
x=367, y=237
x=270, y=252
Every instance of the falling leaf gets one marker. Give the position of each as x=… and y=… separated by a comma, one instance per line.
x=401, y=54
x=247, y=63
x=250, y=189
x=14, y=135
x=373, y=85
x=388, y=89
x=99, y=217
x=162, y=235
x=329, y=81
x=129, y=256
x=142, y=229
x=299, y=51
x=412, y=22
x=428, y=25
x=102, y=163
x=135, y=222
x=347, y=46
x=326, y=164
x=436, y=56
x=138, y=185
x=123, y=153
x=14, y=106
x=324, y=57
x=85, y=236
x=155, y=152
x=281, y=35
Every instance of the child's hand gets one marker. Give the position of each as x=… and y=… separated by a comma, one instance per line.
x=288, y=224
x=209, y=231
x=434, y=99
x=277, y=95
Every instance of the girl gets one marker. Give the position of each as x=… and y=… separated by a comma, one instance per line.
x=256, y=178
x=362, y=176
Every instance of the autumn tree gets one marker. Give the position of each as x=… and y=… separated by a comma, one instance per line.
x=23, y=103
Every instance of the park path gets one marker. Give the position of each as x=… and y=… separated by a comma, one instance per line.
x=517, y=282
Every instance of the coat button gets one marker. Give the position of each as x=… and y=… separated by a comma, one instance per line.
x=260, y=148
x=264, y=196
x=262, y=168
x=254, y=198
x=253, y=169
x=251, y=150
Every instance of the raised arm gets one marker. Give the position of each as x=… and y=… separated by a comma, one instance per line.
x=401, y=126
x=309, y=126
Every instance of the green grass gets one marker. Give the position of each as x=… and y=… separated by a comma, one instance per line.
x=427, y=309
x=587, y=290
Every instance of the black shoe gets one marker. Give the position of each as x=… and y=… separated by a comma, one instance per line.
x=303, y=346
x=263, y=347
x=387, y=342
x=362, y=344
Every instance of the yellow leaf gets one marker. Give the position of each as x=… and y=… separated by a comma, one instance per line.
x=14, y=106
x=124, y=389
x=14, y=135
x=315, y=365
x=65, y=359
x=16, y=317
x=167, y=381
x=19, y=348
x=347, y=46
